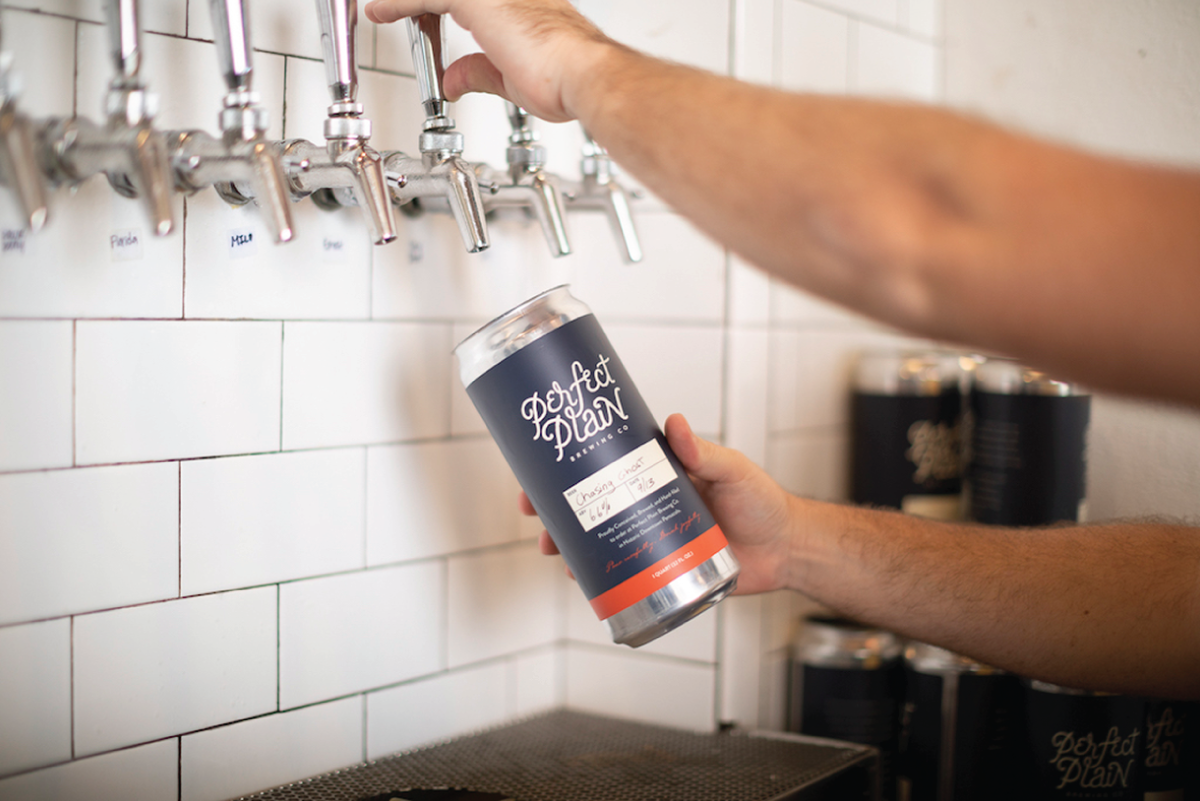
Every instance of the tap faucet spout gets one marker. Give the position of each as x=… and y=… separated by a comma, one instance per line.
x=242, y=165
x=18, y=156
x=529, y=184
x=600, y=190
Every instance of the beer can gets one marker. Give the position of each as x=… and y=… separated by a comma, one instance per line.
x=565, y=413
x=1083, y=745
x=1028, y=449
x=906, y=431
x=957, y=728
x=1172, y=764
x=846, y=683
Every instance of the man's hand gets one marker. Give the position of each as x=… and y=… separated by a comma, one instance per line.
x=757, y=515
x=535, y=54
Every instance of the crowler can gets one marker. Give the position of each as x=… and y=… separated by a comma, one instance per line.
x=630, y=524
x=906, y=431
x=847, y=684
x=956, y=741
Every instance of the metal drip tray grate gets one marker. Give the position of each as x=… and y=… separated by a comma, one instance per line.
x=570, y=756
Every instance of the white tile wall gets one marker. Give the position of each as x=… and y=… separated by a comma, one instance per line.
x=265, y=752
x=277, y=26
x=539, y=681
x=35, y=408
x=362, y=383
x=486, y=618
x=147, y=773
x=43, y=54
x=162, y=390
x=695, y=32
x=390, y=619
x=814, y=49
x=651, y=689
x=890, y=64
x=35, y=696
x=437, y=708
x=78, y=540
x=158, y=670
x=261, y=519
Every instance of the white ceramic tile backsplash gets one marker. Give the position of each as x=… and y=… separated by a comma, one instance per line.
x=277, y=749
x=162, y=390
x=880, y=10
x=158, y=670
x=79, y=540
x=35, y=406
x=438, y=498
x=437, y=708
x=279, y=26
x=391, y=619
x=147, y=773
x=890, y=64
x=538, y=681
x=486, y=618
x=361, y=383
x=261, y=519
x=651, y=689
x=35, y=696
x=814, y=49
x=43, y=55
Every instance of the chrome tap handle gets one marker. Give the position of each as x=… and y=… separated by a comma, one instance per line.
x=427, y=38
x=124, y=41
x=518, y=118
x=339, y=24
x=18, y=156
x=231, y=30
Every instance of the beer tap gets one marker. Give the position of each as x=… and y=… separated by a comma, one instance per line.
x=18, y=158
x=600, y=190
x=126, y=148
x=241, y=165
x=346, y=171
x=440, y=172
x=527, y=185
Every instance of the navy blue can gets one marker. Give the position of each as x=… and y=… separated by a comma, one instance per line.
x=618, y=504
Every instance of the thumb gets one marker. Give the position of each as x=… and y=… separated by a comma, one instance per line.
x=473, y=73
x=703, y=459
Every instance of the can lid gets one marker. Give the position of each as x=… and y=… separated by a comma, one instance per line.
x=911, y=372
x=924, y=658
x=519, y=326
x=1057, y=689
x=1008, y=377
x=838, y=642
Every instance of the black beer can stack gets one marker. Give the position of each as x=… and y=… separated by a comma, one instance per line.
x=1028, y=447
x=906, y=431
x=958, y=727
x=847, y=684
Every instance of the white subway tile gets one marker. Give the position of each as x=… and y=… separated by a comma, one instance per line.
x=438, y=498
x=235, y=269
x=795, y=307
x=36, y=369
x=163, y=669
x=436, y=709
x=881, y=10
x=464, y=419
x=814, y=49
x=165, y=16
x=43, y=52
x=681, y=279
x=279, y=26
x=391, y=620
x=539, y=681
x=676, y=369
x=146, y=773
x=35, y=696
x=749, y=373
x=814, y=464
x=72, y=269
x=359, y=383
x=749, y=294
x=266, y=752
x=890, y=64
x=261, y=519
x=924, y=17
x=741, y=660
x=92, y=10
x=500, y=601
x=159, y=390
x=694, y=32
x=754, y=40
x=391, y=102
x=695, y=639
x=644, y=688
x=80, y=540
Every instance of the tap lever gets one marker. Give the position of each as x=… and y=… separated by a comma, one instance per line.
x=124, y=42
x=339, y=25
x=231, y=30
x=18, y=157
x=427, y=38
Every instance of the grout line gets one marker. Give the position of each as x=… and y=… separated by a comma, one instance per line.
x=366, y=707
x=278, y=647
x=445, y=614
x=179, y=768
x=72, y=692
x=283, y=116
x=179, y=532
x=183, y=261
x=282, y=334
x=366, y=506
x=74, y=392
x=187, y=19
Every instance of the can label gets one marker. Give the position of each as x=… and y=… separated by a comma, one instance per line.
x=596, y=466
x=1170, y=743
x=907, y=449
x=1028, y=458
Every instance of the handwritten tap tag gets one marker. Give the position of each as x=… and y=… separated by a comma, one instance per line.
x=126, y=245
x=596, y=466
x=242, y=243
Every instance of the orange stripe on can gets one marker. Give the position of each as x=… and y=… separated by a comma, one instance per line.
x=659, y=574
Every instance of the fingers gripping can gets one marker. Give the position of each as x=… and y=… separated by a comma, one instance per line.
x=631, y=526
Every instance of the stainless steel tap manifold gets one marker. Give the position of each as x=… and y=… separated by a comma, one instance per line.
x=18, y=158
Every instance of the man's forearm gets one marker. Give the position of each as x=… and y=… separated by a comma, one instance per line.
x=1112, y=607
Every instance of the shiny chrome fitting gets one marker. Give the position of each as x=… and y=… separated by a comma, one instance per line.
x=246, y=121
x=441, y=142
x=347, y=128
x=131, y=106
x=439, y=123
x=346, y=109
x=530, y=157
x=244, y=98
